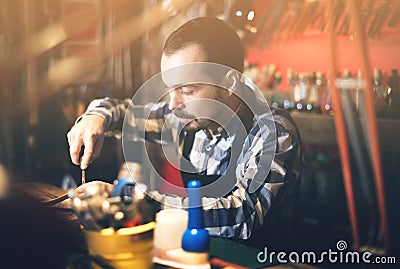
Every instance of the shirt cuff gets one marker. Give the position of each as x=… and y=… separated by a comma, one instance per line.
x=106, y=125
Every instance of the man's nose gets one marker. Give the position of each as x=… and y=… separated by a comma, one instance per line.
x=175, y=100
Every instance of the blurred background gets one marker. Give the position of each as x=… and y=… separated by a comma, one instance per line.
x=56, y=56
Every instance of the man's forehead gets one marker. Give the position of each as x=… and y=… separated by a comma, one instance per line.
x=192, y=74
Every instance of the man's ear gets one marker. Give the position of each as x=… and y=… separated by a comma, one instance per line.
x=232, y=81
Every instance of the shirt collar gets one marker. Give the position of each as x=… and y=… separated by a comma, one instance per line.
x=246, y=117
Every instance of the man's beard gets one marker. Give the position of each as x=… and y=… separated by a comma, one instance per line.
x=192, y=126
x=195, y=123
x=192, y=123
x=183, y=115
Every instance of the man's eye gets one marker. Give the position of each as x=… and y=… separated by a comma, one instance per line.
x=186, y=91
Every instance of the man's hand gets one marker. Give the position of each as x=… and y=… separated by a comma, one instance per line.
x=95, y=187
x=87, y=133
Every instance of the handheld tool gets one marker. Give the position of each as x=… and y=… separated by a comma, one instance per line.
x=83, y=176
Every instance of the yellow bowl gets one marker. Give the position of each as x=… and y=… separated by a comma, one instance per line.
x=125, y=248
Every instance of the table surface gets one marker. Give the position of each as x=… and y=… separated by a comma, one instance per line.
x=224, y=253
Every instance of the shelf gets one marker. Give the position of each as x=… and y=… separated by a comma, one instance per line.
x=320, y=130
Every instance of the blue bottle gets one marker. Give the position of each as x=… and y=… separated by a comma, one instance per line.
x=196, y=237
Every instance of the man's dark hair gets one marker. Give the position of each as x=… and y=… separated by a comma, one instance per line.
x=216, y=38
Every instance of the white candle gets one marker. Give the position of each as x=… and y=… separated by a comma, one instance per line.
x=170, y=225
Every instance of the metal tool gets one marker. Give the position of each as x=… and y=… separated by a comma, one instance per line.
x=126, y=206
x=83, y=176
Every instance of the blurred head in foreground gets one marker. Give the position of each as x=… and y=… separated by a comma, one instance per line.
x=33, y=235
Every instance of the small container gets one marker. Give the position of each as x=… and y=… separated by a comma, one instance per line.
x=171, y=224
x=125, y=248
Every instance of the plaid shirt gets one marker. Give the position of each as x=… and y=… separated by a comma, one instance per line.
x=241, y=211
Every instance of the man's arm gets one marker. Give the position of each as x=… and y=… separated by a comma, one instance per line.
x=106, y=116
x=111, y=110
x=89, y=129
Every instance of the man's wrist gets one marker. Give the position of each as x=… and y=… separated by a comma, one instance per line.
x=86, y=115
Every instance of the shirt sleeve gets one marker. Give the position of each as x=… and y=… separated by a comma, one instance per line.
x=112, y=110
x=244, y=209
x=149, y=122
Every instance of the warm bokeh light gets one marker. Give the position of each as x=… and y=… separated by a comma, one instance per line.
x=250, y=15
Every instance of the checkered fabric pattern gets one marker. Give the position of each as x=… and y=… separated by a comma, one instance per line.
x=242, y=210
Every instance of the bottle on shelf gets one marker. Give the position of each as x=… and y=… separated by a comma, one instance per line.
x=358, y=96
x=314, y=94
x=301, y=92
x=393, y=92
x=291, y=77
x=325, y=96
x=324, y=93
x=346, y=73
x=380, y=93
x=277, y=95
x=347, y=88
